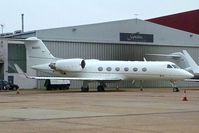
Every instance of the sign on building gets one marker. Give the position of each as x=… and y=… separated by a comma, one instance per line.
x=136, y=37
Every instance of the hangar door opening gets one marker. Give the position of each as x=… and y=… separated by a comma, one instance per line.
x=1, y=70
x=16, y=55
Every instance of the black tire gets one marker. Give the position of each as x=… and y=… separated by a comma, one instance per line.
x=175, y=89
x=5, y=88
x=14, y=88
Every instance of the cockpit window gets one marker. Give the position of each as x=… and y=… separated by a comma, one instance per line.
x=175, y=66
x=172, y=66
x=169, y=66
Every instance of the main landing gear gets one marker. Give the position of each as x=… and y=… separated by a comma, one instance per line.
x=175, y=88
x=85, y=87
x=101, y=87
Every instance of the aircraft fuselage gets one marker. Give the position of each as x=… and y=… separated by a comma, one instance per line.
x=124, y=70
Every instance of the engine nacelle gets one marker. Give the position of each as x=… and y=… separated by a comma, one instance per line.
x=68, y=65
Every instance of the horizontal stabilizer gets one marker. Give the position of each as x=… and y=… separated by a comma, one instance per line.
x=20, y=71
x=30, y=39
x=177, y=55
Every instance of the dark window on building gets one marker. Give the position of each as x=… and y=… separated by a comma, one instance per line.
x=16, y=55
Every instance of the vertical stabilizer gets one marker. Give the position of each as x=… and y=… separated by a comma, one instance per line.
x=191, y=62
x=37, y=52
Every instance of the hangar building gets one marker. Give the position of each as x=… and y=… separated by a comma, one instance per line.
x=118, y=40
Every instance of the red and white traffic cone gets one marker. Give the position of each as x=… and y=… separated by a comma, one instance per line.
x=184, y=98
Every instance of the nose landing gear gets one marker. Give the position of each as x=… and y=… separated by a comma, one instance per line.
x=175, y=88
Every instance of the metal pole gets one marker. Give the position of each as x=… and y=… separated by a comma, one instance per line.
x=22, y=22
x=2, y=26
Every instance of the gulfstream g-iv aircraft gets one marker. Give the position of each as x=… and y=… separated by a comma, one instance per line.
x=90, y=70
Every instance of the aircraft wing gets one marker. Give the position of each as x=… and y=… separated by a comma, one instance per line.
x=110, y=78
x=191, y=80
x=74, y=78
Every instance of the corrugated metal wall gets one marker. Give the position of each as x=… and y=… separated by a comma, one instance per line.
x=103, y=51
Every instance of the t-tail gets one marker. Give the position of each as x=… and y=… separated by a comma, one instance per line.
x=189, y=60
x=37, y=52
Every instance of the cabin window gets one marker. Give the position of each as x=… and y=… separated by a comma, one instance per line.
x=117, y=69
x=100, y=68
x=126, y=69
x=135, y=69
x=169, y=66
x=108, y=68
x=144, y=69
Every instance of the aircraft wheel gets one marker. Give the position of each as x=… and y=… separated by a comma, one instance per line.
x=100, y=88
x=5, y=88
x=175, y=89
x=84, y=89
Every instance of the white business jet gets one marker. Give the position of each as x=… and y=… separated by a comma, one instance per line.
x=189, y=63
x=90, y=70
